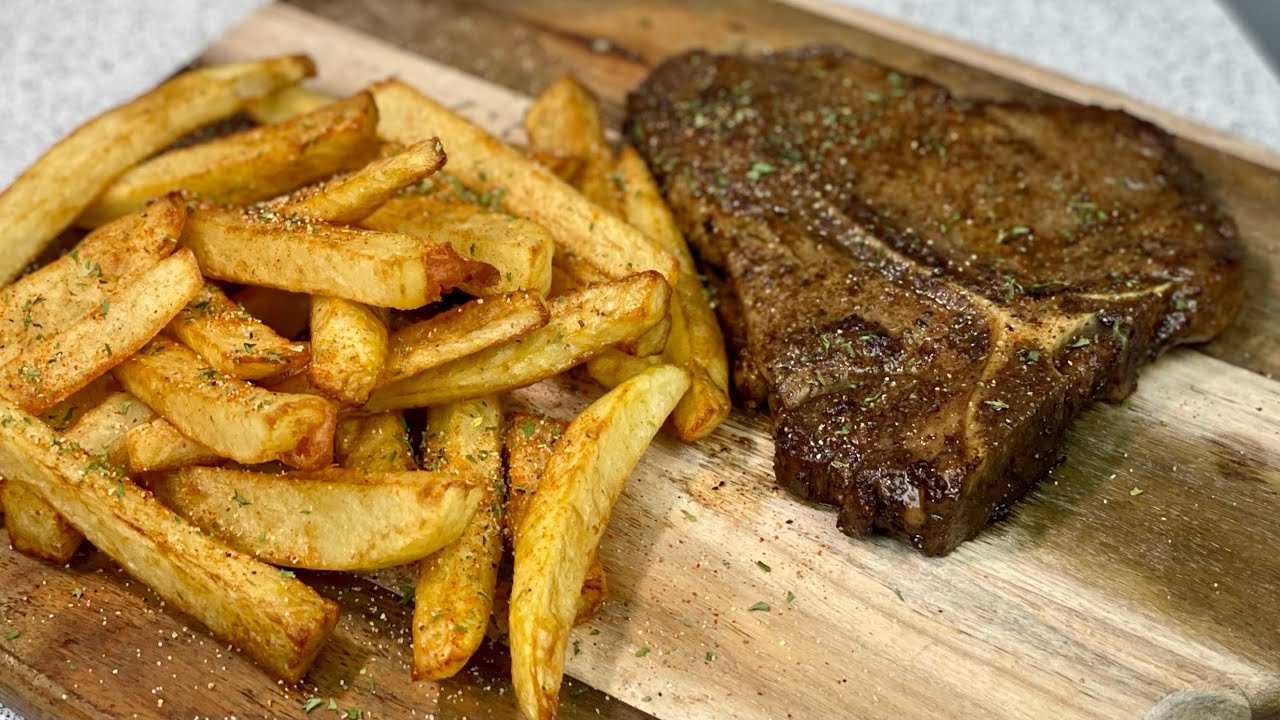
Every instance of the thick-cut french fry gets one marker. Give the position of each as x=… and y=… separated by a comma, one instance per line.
x=232, y=340
x=565, y=521
x=253, y=165
x=598, y=184
x=355, y=196
x=462, y=331
x=487, y=165
x=577, y=270
x=563, y=282
x=374, y=443
x=103, y=430
x=529, y=441
x=651, y=342
x=695, y=342
x=51, y=298
x=299, y=384
x=520, y=250
x=276, y=620
x=565, y=132
x=348, y=348
x=46, y=198
x=285, y=312
x=455, y=589
x=68, y=412
x=375, y=268
x=583, y=323
x=157, y=445
x=564, y=121
x=591, y=597
x=614, y=367
x=335, y=519
x=286, y=103
x=35, y=528
x=237, y=420
x=61, y=364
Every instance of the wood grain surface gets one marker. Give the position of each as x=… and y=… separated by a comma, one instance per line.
x=1091, y=601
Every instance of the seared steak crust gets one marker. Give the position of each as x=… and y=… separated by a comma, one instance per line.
x=924, y=289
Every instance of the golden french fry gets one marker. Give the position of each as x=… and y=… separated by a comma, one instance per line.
x=594, y=587
x=704, y=406
x=51, y=298
x=565, y=521
x=355, y=196
x=334, y=519
x=529, y=441
x=563, y=282
x=35, y=528
x=455, y=589
x=700, y=411
x=348, y=348
x=651, y=342
x=614, y=367
x=520, y=250
x=103, y=430
x=564, y=167
x=276, y=620
x=285, y=312
x=375, y=268
x=583, y=323
x=487, y=165
x=286, y=103
x=232, y=340
x=299, y=384
x=61, y=364
x=564, y=121
x=574, y=272
x=252, y=165
x=157, y=445
x=46, y=198
x=315, y=450
x=695, y=342
x=565, y=132
x=236, y=419
x=462, y=331
x=374, y=443
x=578, y=270
x=598, y=184
x=66, y=413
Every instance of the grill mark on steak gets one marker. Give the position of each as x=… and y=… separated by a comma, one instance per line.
x=925, y=290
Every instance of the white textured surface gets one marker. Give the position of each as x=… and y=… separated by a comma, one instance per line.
x=62, y=61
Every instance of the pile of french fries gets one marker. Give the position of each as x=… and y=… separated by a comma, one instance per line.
x=210, y=386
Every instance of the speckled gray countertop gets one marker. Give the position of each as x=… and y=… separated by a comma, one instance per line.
x=62, y=61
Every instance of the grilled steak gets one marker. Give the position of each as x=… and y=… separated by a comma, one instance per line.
x=925, y=289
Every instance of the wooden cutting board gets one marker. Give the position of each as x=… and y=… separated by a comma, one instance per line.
x=1091, y=601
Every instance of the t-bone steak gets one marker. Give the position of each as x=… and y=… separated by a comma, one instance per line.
x=925, y=289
